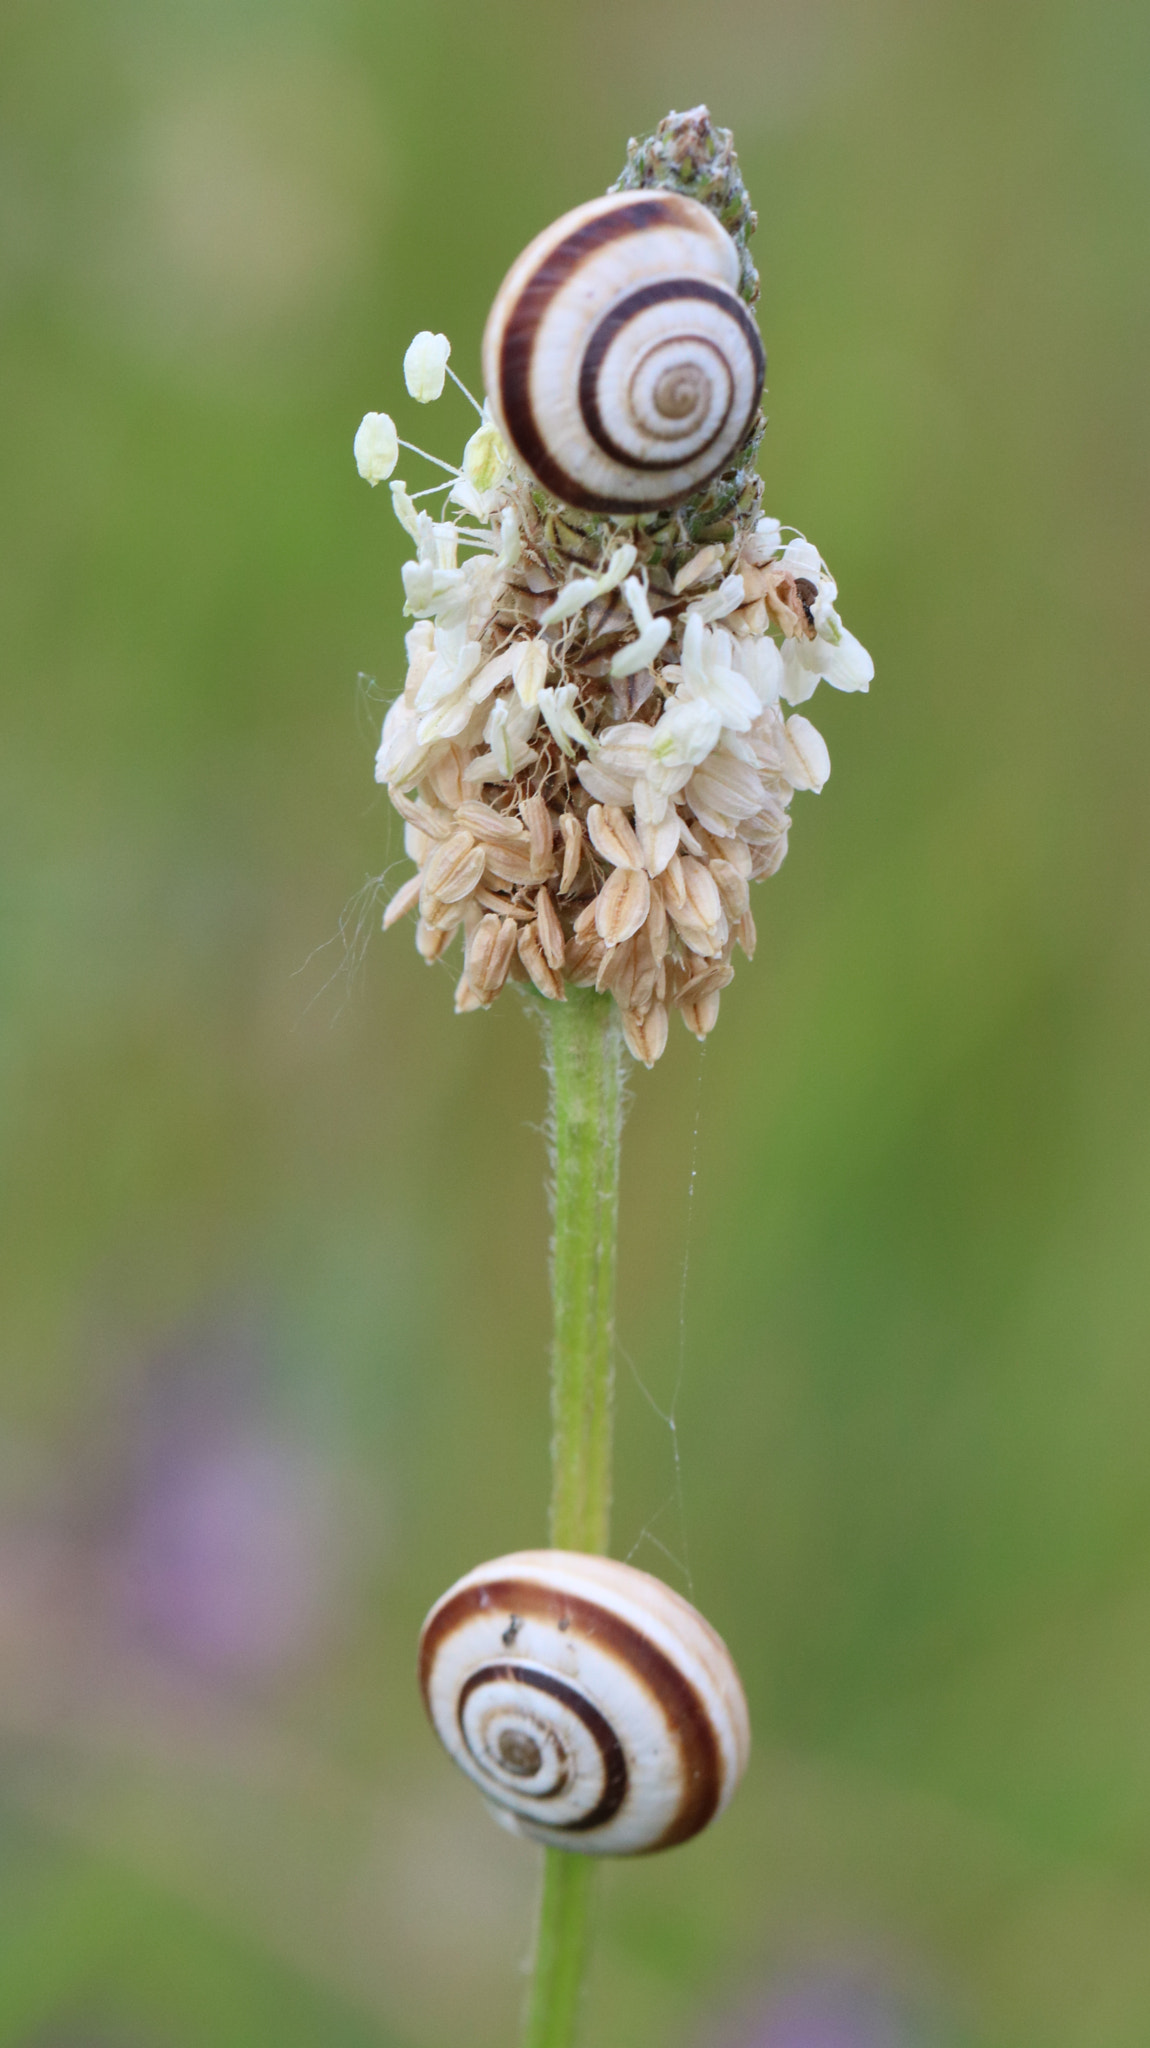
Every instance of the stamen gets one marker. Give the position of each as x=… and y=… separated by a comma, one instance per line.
x=466, y=393
x=438, y=460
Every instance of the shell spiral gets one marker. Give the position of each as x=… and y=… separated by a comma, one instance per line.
x=594, y=1707
x=620, y=362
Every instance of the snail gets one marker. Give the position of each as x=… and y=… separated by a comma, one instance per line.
x=620, y=362
x=594, y=1707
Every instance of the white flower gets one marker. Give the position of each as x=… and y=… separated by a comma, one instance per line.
x=420, y=644
x=529, y=669
x=443, y=697
x=653, y=633
x=561, y=718
x=435, y=577
x=764, y=544
x=405, y=508
x=724, y=789
x=465, y=495
x=486, y=461
x=401, y=758
x=805, y=755
x=456, y=660
x=710, y=677
x=834, y=655
x=646, y=765
x=718, y=603
x=802, y=558
x=474, y=597
x=578, y=591
x=492, y=673
x=621, y=757
x=376, y=447
x=507, y=731
x=425, y=366
x=621, y=564
x=685, y=733
x=418, y=587
x=443, y=536
x=510, y=539
x=659, y=842
x=764, y=748
x=759, y=660
x=700, y=565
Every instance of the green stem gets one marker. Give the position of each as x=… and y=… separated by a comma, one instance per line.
x=560, y=1949
x=584, y=1055
x=584, y=1065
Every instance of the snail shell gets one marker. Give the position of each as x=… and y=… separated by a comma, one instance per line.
x=592, y=1705
x=619, y=360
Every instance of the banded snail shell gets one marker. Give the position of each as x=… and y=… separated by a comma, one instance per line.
x=620, y=362
x=594, y=1707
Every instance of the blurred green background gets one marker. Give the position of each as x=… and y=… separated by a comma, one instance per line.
x=274, y=1280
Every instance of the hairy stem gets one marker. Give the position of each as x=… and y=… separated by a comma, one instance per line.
x=584, y=1058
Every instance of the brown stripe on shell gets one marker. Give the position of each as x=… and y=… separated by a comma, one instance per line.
x=672, y=1692
x=518, y=340
x=596, y=1724
x=653, y=294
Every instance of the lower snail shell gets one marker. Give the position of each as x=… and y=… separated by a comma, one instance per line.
x=620, y=362
x=594, y=1707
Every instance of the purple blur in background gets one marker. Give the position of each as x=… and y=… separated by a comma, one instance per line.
x=232, y=1549
x=823, y=2010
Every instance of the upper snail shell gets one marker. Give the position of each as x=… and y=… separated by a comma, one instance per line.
x=590, y=1703
x=619, y=360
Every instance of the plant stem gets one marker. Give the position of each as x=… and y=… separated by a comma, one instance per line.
x=584, y=1057
x=584, y=1064
x=560, y=1949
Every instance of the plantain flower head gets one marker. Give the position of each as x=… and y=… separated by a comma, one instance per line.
x=597, y=743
